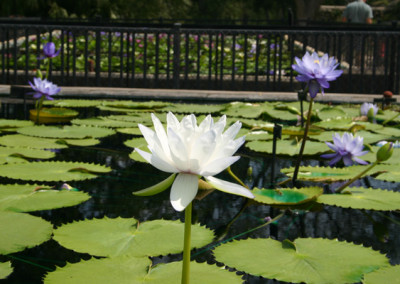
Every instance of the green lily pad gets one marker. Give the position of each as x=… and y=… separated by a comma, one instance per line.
x=125, y=236
x=5, y=269
x=136, y=105
x=131, y=131
x=390, y=172
x=137, y=143
x=103, y=122
x=52, y=171
x=195, y=108
x=27, y=198
x=258, y=135
x=275, y=112
x=336, y=124
x=363, y=198
x=200, y=273
x=73, y=103
x=72, y=132
x=247, y=110
x=18, y=140
x=320, y=174
x=130, y=269
x=12, y=152
x=391, y=133
x=286, y=196
x=80, y=142
x=287, y=147
x=119, y=270
x=335, y=112
x=304, y=260
x=20, y=231
x=14, y=123
x=383, y=275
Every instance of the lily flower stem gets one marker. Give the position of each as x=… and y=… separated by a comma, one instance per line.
x=186, y=245
x=340, y=189
x=303, y=143
x=236, y=178
x=39, y=104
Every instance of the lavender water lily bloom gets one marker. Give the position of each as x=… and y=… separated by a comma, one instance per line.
x=49, y=50
x=316, y=71
x=348, y=148
x=43, y=88
x=190, y=151
x=365, y=109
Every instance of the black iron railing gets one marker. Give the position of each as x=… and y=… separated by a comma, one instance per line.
x=201, y=58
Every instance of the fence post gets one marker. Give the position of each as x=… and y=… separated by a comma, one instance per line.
x=177, y=54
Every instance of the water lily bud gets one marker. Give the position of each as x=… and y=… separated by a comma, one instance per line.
x=385, y=152
x=39, y=74
x=371, y=113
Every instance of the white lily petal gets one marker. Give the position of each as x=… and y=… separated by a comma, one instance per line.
x=184, y=190
x=203, y=147
x=229, y=187
x=161, y=134
x=144, y=154
x=148, y=134
x=217, y=166
x=232, y=131
x=179, y=153
x=206, y=124
x=157, y=162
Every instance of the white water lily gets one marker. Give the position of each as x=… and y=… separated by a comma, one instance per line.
x=191, y=151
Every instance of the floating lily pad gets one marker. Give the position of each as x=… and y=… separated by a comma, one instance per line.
x=258, y=135
x=136, y=105
x=27, y=198
x=8, y=153
x=80, y=142
x=18, y=140
x=5, y=269
x=288, y=147
x=20, y=231
x=72, y=132
x=52, y=171
x=73, y=103
x=119, y=270
x=391, y=133
x=276, y=113
x=304, y=260
x=137, y=143
x=134, y=270
x=325, y=173
x=103, y=122
x=286, y=196
x=330, y=112
x=131, y=131
x=195, y=108
x=336, y=124
x=390, y=172
x=383, y=276
x=14, y=123
x=123, y=236
x=363, y=198
x=247, y=110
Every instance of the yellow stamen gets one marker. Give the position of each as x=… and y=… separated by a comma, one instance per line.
x=316, y=61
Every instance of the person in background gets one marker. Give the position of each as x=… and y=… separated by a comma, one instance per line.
x=358, y=11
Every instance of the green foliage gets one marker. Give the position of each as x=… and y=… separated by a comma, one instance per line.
x=20, y=231
x=304, y=260
x=5, y=269
x=286, y=196
x=287, y=147
x=76, y=132
x=125, y=236
x=383, y=275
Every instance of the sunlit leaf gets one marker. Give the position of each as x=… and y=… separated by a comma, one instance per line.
x=72, y=132
x=102, y=122
x=73, y=103
x=5, y=269
x=120, y=236
x=52, y=171
x=18, y=140
x=27, y=198
x=20, y=231
x=383, y=276
x=286, y=196
x=287, y=147
x=304, y=260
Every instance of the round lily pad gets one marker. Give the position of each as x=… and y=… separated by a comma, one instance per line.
x=18, y=140
x=102, y=122
x=5, y=269
x=128, y=269
x=14, y=123
x=74, y=103
x=286, y=196
x=52, y=171
x=20, y=231
x=304, y=260
x=27, y=198
x=383, y=275
x=15, y=152
x=123, y=236
x=287, y=147
x=75, y=132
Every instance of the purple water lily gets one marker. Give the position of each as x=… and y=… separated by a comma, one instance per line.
x=347, y=148
x=316, y=71
x=49, y=50
x=365, y=109
x=43, y=88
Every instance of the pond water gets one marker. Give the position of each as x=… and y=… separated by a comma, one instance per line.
x=112, y=197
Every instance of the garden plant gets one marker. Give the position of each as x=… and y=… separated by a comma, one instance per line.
x=215, y=160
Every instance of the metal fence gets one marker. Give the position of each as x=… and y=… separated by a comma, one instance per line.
x=188, y=58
